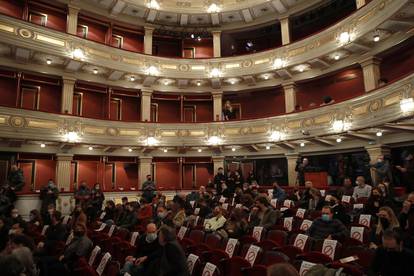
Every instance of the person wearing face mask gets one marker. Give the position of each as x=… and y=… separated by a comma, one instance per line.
x=130, y=219
x=375, y=201
x=83, y=195
x=219, y=179
x=148, y=189
x=48, y=195
x=110, y=212
x=16, y=219
x=56, y=232
x=380, y=170
x=407, y=170
x=163, y=216
x=406, y=219
x=78, y=216
x=35, y=223
x=96, y=201
x=338, y=210
x=148, y=251
x=362, y=190
x=386, y=221
x=326, y=227
x=392, y=258
x=347, y=189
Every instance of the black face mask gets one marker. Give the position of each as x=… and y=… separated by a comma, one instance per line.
x=78, y=233
x=384, y=222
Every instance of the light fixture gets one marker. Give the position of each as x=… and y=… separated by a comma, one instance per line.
x=192, y=36
x=213, y=8
x=279, y=63
x=266, y=76
x=302, y=67
x=198, y=38
x=48, y=61
x=198, y=83
x=151, y=141
x=153, y=4
x=152, y=70
x=95, y=71
x=215, y=73
x=71, y=136
x=199, y=150
x=132, y=78
x=275, y=135
x=376, y=37
x=165, y=150
x=166, y=82
x=407, y=105
x=214, y=140
x=130, y=150
x=379, y=133
x=302, y=144
x=42, y=145
x=338, y=140
x=344, y=37
x=90, y=148
x=233, y=149
x=267, y=147
x=337, y=57
x=340, y=125
x=78, y=54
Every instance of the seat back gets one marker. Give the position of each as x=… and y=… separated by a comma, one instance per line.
x=278, y=236
x=197, y=236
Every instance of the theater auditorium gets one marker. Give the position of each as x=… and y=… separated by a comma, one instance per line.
x=206, y=137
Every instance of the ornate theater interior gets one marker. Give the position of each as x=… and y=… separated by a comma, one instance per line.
x=257, y=108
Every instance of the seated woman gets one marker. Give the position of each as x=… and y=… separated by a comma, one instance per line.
x=386, y=221
x=35, y=223
x=374, y=203
x=236, y=226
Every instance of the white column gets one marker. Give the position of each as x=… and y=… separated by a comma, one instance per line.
x=360, y=3
x=371, y=72
x=217, y=105
x=63, y=167
x=146, y=105
x=145, y=168
x=148, y=40
x=290, y=96
x=218, y=162
x=284, y=26
x=216, y=43
x=291, y=165
x=67, y=95
x=72, y=20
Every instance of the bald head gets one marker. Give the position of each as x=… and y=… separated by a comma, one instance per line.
x=151, y=228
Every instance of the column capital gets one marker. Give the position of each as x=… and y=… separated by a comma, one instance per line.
x=370, y=61
x=289, y=85
x=146, y=91
x=68, y=80
x=149, y=29
x=217, y=158
x=284, y=17
x=72, y=9
x=64, y=157
x=216, y=32
x=145, y=159
x=292, y=155
x=217, y=94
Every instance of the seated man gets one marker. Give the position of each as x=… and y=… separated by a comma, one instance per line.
x=262, y=215
x=326, y=227
x=216, y=222
x=129, y=220
x=362, y=189
x=278, y=193
x=148, y=253
x=54, y=233
x=392, y=259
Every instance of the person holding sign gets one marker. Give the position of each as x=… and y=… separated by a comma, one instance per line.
x=326, y=227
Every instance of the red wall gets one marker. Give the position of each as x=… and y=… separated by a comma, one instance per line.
x=204, y=111
x=132, y=41
x=167, y=175
x=203, y=173
x=130, y=109
x=12, y=8
x=203, y=48
x=399, y=62
x=94, y=105
x=169, y=111
x=96, y=31
x=340, y=86
x=126, y=175
x=167, y=46
x=259, y=104
x=55, y=19
x=7, y=90
x=90, y=171
x=45, y=170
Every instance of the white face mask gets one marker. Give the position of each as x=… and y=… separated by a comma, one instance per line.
x=12, y=231
x=150, y=237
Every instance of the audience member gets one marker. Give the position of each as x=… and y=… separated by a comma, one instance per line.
x=278, y=192
x=48, y=195
x=15, y=181
x=347, y=189
x=262, y=215
x=301, y=168
x=386, y=221
x=362, y=190
x=216, y=222
x=82, y=195
x=129, y=220
x=381, y=170
x=282, y=269
x=326, y=227
x=148, y=188
x=407, y=170
x=228, y=112
x=96, y=202
x=219, y=179
x=406, y=219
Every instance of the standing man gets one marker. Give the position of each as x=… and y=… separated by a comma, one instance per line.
x=148, y=189
x=381, y=170
x=301, y=168
x=16, y=182
x=407, y=170
x=48, y=195
x=219, y=179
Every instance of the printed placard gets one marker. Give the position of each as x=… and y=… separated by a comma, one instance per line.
x=102, y=227
x=252, y=254
x=273, y=202
x=230, y=247
x=346, y=199
x=329, y=247
x=102, y=264
x=357, y=233
x=257, y=233
x=95, y=252
x=70, y=238
x=348, y=259
x=300, y=213
x=66, y=219
x=111, y=230
x=222, y=199
x=304, y=267
x=283, y=209
x=306, y=224
x=287, y=223
x=209, y=269
x=192, y=202
x=197, y=218
x=358, y=206
x=191, y=260
x=323, y=193
x=196, y=211
x=44, y=229
x=225, y=206
x=134, y=237
x=300, y=241
x=287, y=203
x=365, y=220
x=181, y=232
x=103, y=214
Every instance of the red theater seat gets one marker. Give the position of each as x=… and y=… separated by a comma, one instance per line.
x=234, y=266
x=278, y=236
x=274, y=257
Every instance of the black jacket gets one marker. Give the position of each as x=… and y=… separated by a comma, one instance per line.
x=393, y=263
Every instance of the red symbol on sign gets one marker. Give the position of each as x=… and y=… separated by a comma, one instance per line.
x=190, y=264
x=299, y=243
x=356, y=235
x=364, y=222
x=251, y=256
x=287, y=225
x=328, y=250
x=305, y=227
x=256, y=235
x=206, y=273
x=230, y=248
x=304, y=271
